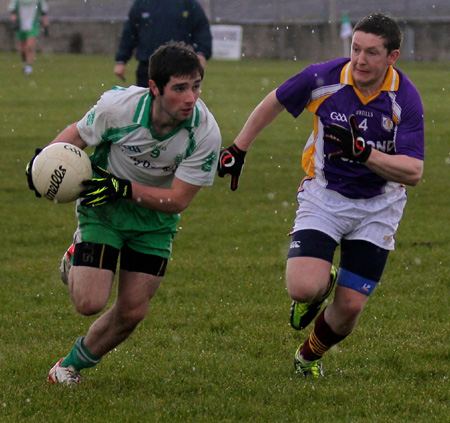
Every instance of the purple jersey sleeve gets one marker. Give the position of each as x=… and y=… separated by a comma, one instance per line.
x=409, y=139
x=295, y=93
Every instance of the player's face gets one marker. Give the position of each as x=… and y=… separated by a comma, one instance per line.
x=370, y=61
x=179, y=98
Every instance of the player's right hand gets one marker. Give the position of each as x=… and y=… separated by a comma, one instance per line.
x=105, y=188
x=351, y=142
x=28, y=169
x=119, y=70
x=231, y=161
x=15, y=25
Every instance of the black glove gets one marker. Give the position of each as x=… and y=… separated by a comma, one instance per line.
x=28, y=169
x=231, y=161
x=351, y=143
x=105, y=189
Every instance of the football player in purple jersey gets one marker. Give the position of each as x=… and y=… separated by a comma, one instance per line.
x=366, y=145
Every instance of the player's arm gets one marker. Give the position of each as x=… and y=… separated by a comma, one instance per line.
x=201, y=34
x=106, y=187
x=71, y=136
x=231, y=159
x=262, y=116
x=397, y=168
x=13, y=9
x=128, y=41
x=171, y=201
x=45, y=22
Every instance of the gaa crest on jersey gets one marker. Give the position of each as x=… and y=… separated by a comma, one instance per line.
x=340, y=117
x=387, y=123
x=90, y=118
x=208, y=163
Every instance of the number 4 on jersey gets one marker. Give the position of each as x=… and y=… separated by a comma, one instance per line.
x=363, y=125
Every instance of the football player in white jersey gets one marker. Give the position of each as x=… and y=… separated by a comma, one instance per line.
x=25, y=16
x=154, y=149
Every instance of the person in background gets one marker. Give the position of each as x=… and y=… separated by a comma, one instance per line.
x=152, y=23
x=367, y=144
x=25, y=17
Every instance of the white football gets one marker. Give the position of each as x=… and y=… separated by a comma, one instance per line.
x=58, y=171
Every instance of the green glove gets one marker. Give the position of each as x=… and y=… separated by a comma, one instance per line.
x=105, y=189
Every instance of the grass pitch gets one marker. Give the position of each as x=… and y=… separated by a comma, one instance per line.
x=217, y=346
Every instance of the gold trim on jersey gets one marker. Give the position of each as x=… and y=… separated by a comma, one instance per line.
x=391, y=82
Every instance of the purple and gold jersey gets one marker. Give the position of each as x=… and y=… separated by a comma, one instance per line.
x=391, y=121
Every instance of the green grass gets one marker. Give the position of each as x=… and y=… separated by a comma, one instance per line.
x=216, y=346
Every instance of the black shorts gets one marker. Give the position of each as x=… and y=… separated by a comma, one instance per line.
x=359, y=257
x=102, y=256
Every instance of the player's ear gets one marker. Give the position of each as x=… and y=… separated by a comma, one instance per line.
x=153, y=88
x=393, y=56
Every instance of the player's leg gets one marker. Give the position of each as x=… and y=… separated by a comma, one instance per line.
x=21, y=46
x=118, y=323
x=343, y=313
x=361, y=267
x=139, y=279
x=90, y=280
x=27, y=47
x=21, y=43
x=30, y=50
x=310, y=276
x=307, y=278
x=91, y=276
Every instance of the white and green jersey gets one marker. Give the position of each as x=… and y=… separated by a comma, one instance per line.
x=28, y=12
x=119, y=128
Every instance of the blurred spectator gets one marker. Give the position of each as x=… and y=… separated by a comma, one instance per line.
x=152, y=23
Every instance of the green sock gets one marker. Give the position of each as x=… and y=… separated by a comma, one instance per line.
x=80, y=357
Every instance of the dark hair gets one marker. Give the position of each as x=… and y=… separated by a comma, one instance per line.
x=173, y=59
x=384, y=26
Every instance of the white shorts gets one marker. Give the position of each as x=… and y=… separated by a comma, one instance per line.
x=374, y=220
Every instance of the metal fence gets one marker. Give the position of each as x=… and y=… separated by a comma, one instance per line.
x=318, y=11
x=260, y=11
x=270, y=28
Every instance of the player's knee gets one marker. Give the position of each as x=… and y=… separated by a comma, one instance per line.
x=88, y=309
x=89, y=306
x=131, y=317
x=346, y=311
x=303, y=291
x=354, y=307
x=306, y=287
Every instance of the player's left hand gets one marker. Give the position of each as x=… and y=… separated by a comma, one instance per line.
x=231, y=161
x=105, y=189
x=351, y=142
x=15, y=25
x=28, y=169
